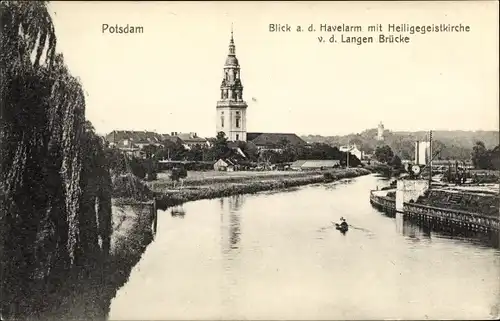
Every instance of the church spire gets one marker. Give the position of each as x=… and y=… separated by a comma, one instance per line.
x=232, y=48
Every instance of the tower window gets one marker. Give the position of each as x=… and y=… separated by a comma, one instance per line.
x=237, y=137
x=222, y=120
x=237, y=122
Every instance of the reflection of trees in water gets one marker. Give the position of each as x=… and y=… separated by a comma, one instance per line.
x=235, y=202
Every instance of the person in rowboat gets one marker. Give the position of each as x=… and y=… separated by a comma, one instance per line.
x=343, y=224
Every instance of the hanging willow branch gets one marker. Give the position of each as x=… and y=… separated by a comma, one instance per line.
x=27, y=28
x=46, y=236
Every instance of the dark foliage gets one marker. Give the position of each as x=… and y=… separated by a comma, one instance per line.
x=384, y=154
x=178, y=173
x=483, y=158
x=55, y=188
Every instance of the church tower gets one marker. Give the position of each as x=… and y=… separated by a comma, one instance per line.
x=380, y=132
x=231, y=108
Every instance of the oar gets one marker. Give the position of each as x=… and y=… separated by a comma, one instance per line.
x=359, y=228
x=350, y=225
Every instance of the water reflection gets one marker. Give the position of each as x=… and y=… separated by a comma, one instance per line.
x=278, y=256
x=417, y=230
x=412, y=231
x=177, y=211
x=230, y=238
x=230, y=221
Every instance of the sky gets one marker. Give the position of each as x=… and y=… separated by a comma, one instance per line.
x=167, y=78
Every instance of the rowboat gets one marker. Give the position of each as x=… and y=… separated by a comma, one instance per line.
x=342, y=227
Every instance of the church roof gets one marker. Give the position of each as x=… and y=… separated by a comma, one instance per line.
x=232, y=61
x=274, y=139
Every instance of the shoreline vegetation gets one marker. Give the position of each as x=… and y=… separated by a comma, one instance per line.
x=197, y=188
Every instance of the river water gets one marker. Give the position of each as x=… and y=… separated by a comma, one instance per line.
x=275, y=255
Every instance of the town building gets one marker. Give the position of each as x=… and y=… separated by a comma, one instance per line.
x=353, y=150
x=132, y=142
x=314, y=164
x=191, y=139
x=422, y=152
x=226, y=164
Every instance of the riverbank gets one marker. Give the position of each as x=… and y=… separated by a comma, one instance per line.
x=132, y=233
x=242, y=183
x=133, y=214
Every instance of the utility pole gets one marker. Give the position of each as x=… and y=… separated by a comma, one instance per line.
x=417, y=147
x=348, y=148
x=430, y=159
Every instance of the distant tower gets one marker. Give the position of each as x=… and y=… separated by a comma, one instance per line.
x=380, y=133
x=231, y=108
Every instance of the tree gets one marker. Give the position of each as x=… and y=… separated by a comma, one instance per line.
x=172, y=150
x=195, y=153
x=250, y=150
x=150, y=150
x=495, y=158
x=178, y=174
x=115, y=161
x=396, y=162
x=52, y=169
x=384, y=154
x=221, y=150
x=480, y=157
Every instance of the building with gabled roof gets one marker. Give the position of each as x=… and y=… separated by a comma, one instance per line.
x=314, y=164
x=275, y=141
x=191, y=139
x=353, y=150
x=133, y=139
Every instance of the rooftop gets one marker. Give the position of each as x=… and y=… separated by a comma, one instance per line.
x=274, y=139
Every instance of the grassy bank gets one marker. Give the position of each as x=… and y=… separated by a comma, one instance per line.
x=132, y=233
x=244, y=184
x=219, y=177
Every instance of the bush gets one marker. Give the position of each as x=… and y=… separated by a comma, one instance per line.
x=328, y=176
x=178, y=173
x=129, y=186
